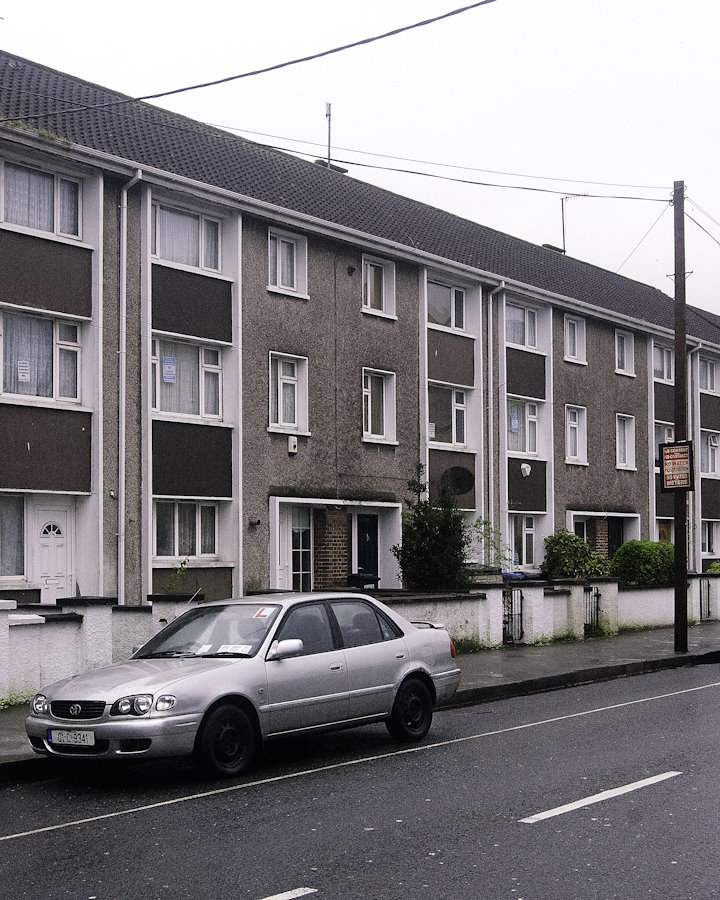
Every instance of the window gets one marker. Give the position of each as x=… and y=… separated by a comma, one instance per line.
x=378, y=405
x=186, y=379
x=709, y=453
x=310, y=624
x=39, y=200
x=663, y=364
x=378, y=286
x=360, y=624
x=522, y=426
x=185, y=529
x=446, y=305
x=520, y=326
x=575, y=434
x=185, y=237
x=40, y=357
x=625, y=441
x=709, y=537
x=12, y=535
x=446, y=408
x=664, y=434
x=523, y=536
x=287, y=262
x=624, y=353
x=288, y=393
x=665, y=531
x=575, y=339
x=707, y=375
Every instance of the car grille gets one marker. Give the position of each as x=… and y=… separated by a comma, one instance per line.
x=89, y=709
x=99, y=748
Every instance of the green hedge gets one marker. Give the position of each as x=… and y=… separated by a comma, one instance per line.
x=644, y=562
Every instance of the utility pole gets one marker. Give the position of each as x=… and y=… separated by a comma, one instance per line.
x=680, y=496
x=328, y=116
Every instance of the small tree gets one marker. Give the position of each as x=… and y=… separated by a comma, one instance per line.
x=644, y=562
x=568, y=556
x=435, y=540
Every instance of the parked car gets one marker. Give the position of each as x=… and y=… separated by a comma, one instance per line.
x=224, y=677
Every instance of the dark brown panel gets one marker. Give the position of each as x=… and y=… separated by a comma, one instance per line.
x=710, y=494
x=45, y=449
x=451, y=358
x=189, y=303
x=45, y=274
x=664, y=402
x=664, y=502
x=525, y=373
x=191, y=460
x=710, y=411
x=453, y=471
x=527, y=493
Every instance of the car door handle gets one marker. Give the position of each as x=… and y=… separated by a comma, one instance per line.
x=399, y=656
x=337, y=668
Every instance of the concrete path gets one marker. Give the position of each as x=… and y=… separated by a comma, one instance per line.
x=486, y=675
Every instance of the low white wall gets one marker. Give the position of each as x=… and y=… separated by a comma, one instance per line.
x=475, y=617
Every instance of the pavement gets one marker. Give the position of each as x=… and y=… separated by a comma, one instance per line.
x=487, y=675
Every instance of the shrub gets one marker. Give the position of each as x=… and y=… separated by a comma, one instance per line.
x=568, y=556
x=644, y=562
x=714, y=567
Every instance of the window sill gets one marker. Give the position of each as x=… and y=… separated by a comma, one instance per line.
x=663, y=381
x=460, y=332
x=47, y=235
x=575, y=362
x=379, y=314
x=626, y=468
x=183, y=267
x=191, y=562
x=576, y=462
x=462, y=448
x=524, y=347
x=286, y=292
x=387, y=442
x=626, y=374
x=158, y=416
x=45, y=402
x=286, y=429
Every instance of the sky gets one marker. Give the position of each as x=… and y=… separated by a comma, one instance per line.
x=580, y=98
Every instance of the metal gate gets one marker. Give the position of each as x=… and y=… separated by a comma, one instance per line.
x=512, y=614
x=704, y=598
x=592, y=609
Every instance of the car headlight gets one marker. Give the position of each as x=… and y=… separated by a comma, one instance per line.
x=40, y=705
x=136, y=705
x=167, y=701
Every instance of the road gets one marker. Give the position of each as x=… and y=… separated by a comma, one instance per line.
x=605, y=791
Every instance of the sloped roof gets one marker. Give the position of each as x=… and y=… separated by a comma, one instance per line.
x=152, y=137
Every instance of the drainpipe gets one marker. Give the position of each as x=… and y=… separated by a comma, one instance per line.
x=491, y=406
x=122, y=373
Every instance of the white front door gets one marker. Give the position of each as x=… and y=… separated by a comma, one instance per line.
x=54, y=558
x=295, y=548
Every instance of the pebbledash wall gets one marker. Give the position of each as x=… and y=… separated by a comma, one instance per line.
x=38, y=647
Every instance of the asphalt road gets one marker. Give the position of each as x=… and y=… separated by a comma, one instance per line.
x=605, y=791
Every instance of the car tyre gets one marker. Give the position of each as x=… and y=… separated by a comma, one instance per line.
x=412, y=712
x=228, y=742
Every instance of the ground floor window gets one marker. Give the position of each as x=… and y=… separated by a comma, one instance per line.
x=710, y=541
x=12, y=535
x=522, y=529
x=301, y=548
x=665, y=531
x=185, y=529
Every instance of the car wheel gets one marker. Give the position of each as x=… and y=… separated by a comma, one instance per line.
x=412, y=712
x=228, y=742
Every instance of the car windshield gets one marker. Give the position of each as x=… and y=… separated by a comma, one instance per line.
x=213, y=631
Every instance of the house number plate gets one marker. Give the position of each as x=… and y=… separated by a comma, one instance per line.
x=72, y=738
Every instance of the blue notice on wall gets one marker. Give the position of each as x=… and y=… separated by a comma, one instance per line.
x=169, y=369
x=514, y=422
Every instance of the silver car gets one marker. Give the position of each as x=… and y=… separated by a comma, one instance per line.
x=224, y=677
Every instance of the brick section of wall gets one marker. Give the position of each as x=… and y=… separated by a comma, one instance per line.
x=599, y=540
x=330, y=553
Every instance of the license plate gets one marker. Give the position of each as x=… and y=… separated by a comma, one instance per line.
x=72, y=738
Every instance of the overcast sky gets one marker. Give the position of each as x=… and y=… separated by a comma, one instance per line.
x=572, y=92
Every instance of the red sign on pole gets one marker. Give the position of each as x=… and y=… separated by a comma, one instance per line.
x=676, y=467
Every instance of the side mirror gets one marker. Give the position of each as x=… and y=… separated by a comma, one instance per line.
x=283, y=649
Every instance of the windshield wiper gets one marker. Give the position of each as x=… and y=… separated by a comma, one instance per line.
x=166, y=653
x=225, y=653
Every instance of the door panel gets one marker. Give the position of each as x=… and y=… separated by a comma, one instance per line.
x=53, y=554
x=367, y=543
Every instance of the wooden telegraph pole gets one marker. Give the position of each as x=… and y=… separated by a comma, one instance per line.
x=680, y=496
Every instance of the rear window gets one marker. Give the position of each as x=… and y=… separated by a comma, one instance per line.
x=361, y=624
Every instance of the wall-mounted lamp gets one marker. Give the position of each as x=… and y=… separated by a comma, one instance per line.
x=253, y=523
x=525, y=469
x=292, y=445
x=351, y=270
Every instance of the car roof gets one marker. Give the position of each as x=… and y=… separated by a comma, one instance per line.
x=286, y=599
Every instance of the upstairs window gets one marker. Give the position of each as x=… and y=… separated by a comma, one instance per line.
x=625, y=441
x=288, y=393
x=40, y=357
x=707, y=375
x=378, y=286
x=378, y=405
x=522, y=426
x=575, y=434
x=39, y=200
x=624, y=353
x=287, y=262
x=446, y=408
x=186, y=379
x=664, y=434
x=663, y=364
x=709, y=456
x=575, y=339
x=446, y=305
x=185, y=237
x=521, y=326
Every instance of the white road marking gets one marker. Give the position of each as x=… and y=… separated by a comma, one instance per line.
x=291, y=895
x=351, y=762
x=598, y=798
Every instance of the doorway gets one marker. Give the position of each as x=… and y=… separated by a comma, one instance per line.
x=53, y=540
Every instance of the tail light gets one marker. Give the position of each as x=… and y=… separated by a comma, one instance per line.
x=452, y=648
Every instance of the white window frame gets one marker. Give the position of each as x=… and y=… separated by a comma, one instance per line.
x=57, y=222
x=710, y=448
x=531, y=414
x=668, y=364
x=625, y=442
x=204, y=368
x=458, y=412
x=156, y=238
x=199, y=506
x=628, y=343
x=528, y=534
x=710, y=537
x=298, y=288
x=387, y=300
x=575, y=334
x=458, y=298
x=663, y=433
x=576, y=426
x=387, y=379
x=300, y=381
x=529, y=316
x=67, y=346
x=709, y=377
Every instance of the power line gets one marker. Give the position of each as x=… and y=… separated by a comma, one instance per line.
x=643, y=237
x=704, y=212
x=274, y=68
x=712, y=238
